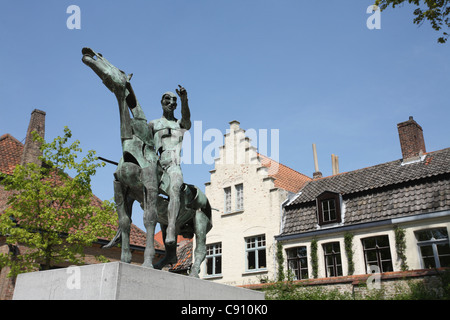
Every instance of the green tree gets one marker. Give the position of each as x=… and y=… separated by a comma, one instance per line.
x=50, y=214
x=435, y=11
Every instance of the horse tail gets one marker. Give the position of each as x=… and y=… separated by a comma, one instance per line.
x=115, y=240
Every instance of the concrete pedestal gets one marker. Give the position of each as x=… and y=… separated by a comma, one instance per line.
x=122, y=281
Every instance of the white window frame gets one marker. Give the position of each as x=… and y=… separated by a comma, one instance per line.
x=239, y=189
x=227, y=199
x=259, y=244
x=213, y=251
x=433, y=243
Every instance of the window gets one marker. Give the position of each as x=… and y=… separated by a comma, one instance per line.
x=227, y=192
x=298, y=262
x=256, y=253
x=377, y=252
x=333, y=263
x=239, y=197
x=329, y=208
x=434, y=247
x=214, y=259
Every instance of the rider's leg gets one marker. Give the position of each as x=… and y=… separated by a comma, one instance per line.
x=176, y=181
x=149, y=179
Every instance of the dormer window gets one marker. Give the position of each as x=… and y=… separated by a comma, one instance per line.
x=329, y=208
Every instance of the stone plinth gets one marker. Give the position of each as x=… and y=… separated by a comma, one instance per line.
x=122, y=281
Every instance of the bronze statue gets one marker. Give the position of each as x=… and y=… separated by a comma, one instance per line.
x=149, y=168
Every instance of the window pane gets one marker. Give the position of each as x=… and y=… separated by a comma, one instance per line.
x=218, y=265
x=209, y=266
x=424, y=235
x=339, y=271
x=329, y=260
x=385, y=254
x=443, y=248
x=427, y=251
x=382, y=241
x=292, y=265
x=330, y=272
x=302, y=252
x=445, y=261
x=328, y=248
x=250, y=243
x=369, y=243
x=262, y=258
x=325, y=206
x=336, y=247
x=251, y=260
x=332, y=214
x=429, y=263
x=227, y=199
x=387, y=266
x=304, y=274
x=440, y=233
x=371, y=256
x=291, y=253
x=303, y=262
x=239, y=197
x=328, y=210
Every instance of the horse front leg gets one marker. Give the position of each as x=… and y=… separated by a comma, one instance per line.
x=124, y=213
x=150, y=213
x=171, y=252
x=200, y=228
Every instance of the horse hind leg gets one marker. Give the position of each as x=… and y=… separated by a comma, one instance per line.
x=124, y=206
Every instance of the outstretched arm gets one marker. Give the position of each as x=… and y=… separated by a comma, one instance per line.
x=185, y=112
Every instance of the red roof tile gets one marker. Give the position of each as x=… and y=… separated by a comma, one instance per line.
x=159, y=242
x=285, y=177
x=10, y=153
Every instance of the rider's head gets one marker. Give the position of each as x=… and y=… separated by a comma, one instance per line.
x=169, y=101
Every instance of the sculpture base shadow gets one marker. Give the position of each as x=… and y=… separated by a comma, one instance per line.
x=122, y=281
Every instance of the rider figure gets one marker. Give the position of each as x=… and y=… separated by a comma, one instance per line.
x=168, y=137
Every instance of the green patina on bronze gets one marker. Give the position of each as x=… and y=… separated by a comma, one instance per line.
x=149, y=171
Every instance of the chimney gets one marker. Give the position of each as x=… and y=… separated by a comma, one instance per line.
x=335, y=164
x=317, y=174
x=411, y=139
x=31, y=150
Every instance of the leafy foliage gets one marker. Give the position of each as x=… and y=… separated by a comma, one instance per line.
x=400, y=246
x=51, y=215
x=314, y=258
x=348, y=241
x=435, y=11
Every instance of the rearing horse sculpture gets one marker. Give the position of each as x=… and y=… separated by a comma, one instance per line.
x=138, y=177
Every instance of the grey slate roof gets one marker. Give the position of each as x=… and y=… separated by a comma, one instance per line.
x=380, y=192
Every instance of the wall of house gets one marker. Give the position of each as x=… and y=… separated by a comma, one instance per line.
x=238, y=164
x=391, y=285
x=413, y=258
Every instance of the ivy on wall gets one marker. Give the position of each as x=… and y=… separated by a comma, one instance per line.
x=348, y=244
x=400, y=246
x=314, y=258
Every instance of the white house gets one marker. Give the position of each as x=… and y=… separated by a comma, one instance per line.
x=247, y=190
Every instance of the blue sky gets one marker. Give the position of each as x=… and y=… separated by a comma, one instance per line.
x=310, y=69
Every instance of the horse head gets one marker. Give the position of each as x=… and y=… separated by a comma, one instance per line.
x=113, y=78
